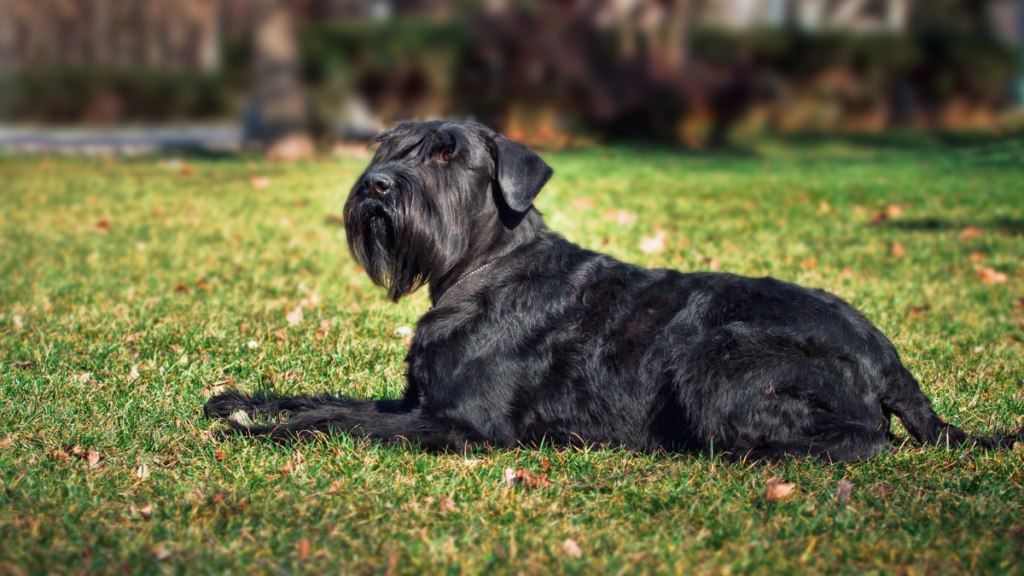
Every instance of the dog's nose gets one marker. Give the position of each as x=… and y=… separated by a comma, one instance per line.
x=377, y=184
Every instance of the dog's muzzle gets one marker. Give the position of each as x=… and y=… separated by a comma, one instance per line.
x=377, y=184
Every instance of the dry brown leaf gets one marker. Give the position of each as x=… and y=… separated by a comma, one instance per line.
x=160, y=554
x=968, y=233
x=446, y=505
x=159, y=210
x=976, y=256
x=294, y=317
x=653, y=244
x=175, y=348
x=132, y=338
x=187, y=169
x=810, y=263
x=1018, y=304
x=879, y=218
x=990, y=276
x=287, y=468
x=894, y=211
x=843, y=490
x=883, y=491
x=303, y=548
x=824, y=208
x=572, y=548
x=775, y=489
x=260, y=182
x=846, y=273
x=93, y=458
x=526, y=478
x=84, y=377
x=203, y=284
x=180, y=288
x=335, y=487
x=146, y=511
x=142, y=472
x=897, y=249
x=583, y=203
x=353, y=308
x=915, y=310
x=218, y=455
x=102, y=225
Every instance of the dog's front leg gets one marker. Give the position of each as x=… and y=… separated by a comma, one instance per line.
x=385, y=420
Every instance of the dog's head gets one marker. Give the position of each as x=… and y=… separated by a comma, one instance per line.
x=434, y=195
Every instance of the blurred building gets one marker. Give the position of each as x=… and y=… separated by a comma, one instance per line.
x=667, y=69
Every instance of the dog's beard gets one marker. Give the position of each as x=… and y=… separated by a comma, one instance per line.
x=400, y=245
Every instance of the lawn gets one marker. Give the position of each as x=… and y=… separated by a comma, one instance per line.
x=131, y=289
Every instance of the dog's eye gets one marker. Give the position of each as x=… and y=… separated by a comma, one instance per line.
x=446, y=156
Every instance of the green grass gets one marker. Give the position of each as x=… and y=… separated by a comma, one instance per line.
x=200, y=265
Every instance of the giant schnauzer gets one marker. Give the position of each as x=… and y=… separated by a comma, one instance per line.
x=532, y=338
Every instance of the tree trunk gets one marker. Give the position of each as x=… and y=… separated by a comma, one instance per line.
x=280, y=102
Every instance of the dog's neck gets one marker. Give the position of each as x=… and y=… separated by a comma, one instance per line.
x=487, y=247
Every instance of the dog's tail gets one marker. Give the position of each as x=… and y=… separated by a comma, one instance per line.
x=904, y=398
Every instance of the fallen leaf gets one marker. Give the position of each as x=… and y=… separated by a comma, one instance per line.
x=181, y=288
x=894, y=211
x=160, y=554
x=287, y=468
x=990, y=276
x=335, y=487
x=572, y=548
x=260, y=181
x=846, y=273
x=132, y=338
x=775, y=489
x=187, y=169
x=1018, y=304
x=159, y=210
x=84, y=377
x=810, y=263
x=824, y=208
x=294, y=317
x=303, y=548
x=471, y=462
x=217, y=454
x=879, y=218
x=968, y=233
x=134, y=374
x=976, y=256
x=353, y=308
x=583, y=203
x=24, y=364
x=142, y=472
x=183, y=359
x=621, y=217
x=656, y=243
x=175, y=348
x=446, y=505
x=897, y=249
x=93, y=458
x=102, y=225
x=146, y=511
x=915, y=310
x=526, y=478
x=203, y=284
x=843, y=490
x=883, y=491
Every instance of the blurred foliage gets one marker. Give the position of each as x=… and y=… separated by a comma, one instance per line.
x=102, y=95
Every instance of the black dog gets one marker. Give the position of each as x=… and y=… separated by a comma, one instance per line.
x=533, y=338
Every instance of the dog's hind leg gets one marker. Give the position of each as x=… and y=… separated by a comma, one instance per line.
x=831, y=440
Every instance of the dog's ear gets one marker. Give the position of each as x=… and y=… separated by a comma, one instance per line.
x=521, y=173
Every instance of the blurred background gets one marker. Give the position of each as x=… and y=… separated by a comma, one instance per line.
x=288, y=76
